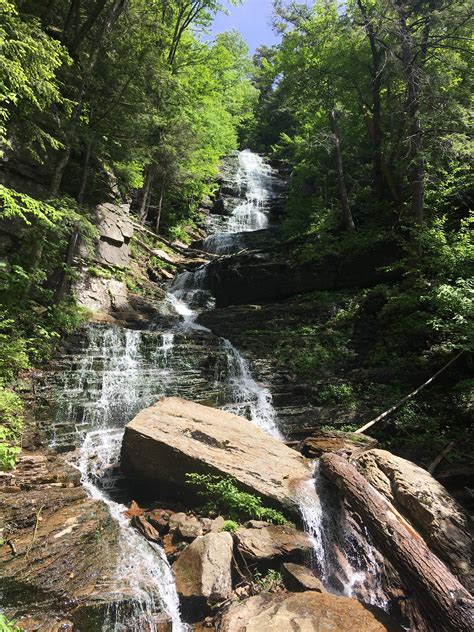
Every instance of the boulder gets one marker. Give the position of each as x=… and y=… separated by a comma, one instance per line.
x=174, y=437
x=188, y=527
x=273, y=542
x=115, y=231
x=427, y=506
x=322, y=441
x=300, y=612
x=299, y=578
x=203, y=572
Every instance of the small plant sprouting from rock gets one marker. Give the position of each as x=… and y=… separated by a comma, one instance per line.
x=230, y=526
x=222, y=496
x=272, y=581
x=6, y=625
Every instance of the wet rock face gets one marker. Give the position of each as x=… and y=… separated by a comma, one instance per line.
x=61, y=546
x=299, y=612
x=174, y=437
x=267, y=276
x=104, y=375
x=425, y=503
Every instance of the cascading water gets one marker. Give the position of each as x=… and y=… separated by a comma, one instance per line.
x=114, y=393
x=119, y=372
x=342, y=566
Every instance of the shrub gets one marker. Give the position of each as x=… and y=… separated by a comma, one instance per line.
x=222, y=496
x=230, y=526
x=11, y=416
x=7, y=625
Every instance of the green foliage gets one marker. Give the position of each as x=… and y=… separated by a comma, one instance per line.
x=28, y=83
x=269, y=582
x=222, y=496
x=11, y=416
x=8, y=625
x=230, y=526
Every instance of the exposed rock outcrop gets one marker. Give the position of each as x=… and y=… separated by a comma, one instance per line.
x=265, y=276
x=60, y=551
x=175, y=436
x=203, y=572
x=115, y=231
x=426, y=504
x=272, y=542
x=300, y=612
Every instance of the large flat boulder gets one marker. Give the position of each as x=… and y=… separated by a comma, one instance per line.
x=427, y=505
x=175, y=436
x=299, y=612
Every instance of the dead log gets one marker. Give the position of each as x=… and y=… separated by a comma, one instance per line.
x=142, y=525
x=445, y=601
x=408, y=397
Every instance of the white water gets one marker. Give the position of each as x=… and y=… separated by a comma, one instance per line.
x=187, y=293
x=257, y=179
x=142, y=565
x=146, y=581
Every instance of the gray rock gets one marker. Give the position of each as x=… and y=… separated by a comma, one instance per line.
x=272, y=542
x=188, y=527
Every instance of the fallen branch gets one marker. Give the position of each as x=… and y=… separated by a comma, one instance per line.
x=38, y=518
x=444, y=599
x=437, y=460
x=408, y=397
x=185, y=252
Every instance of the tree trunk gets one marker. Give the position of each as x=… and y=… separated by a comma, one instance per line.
x=71, y=251
x=117, y=8
x=145, y=201
x=160, y=206
x=61, y=165
x=84, y=174
x=447, y=604
x=347, y=220
x=376, y=72
x=412, y=79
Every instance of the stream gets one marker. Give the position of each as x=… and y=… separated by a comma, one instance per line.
x=113, y=373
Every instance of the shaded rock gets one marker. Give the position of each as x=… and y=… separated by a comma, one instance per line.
x=176, y=436
x=203, y=572
x=272, y=542
x=115, y=231
x=299, y=578
x=160, y=519
x=427, y=505
x=299, y=612
x=188, y=527
x=322, y=441
x=266, y=277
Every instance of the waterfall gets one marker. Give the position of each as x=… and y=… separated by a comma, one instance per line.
x=344, y=560
x=188, y=294
x=118, y=373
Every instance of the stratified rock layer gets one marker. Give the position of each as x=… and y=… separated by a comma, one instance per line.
x=175, y=436
x=300, y=612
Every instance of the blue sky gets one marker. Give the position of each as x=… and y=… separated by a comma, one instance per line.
x=252, y=19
